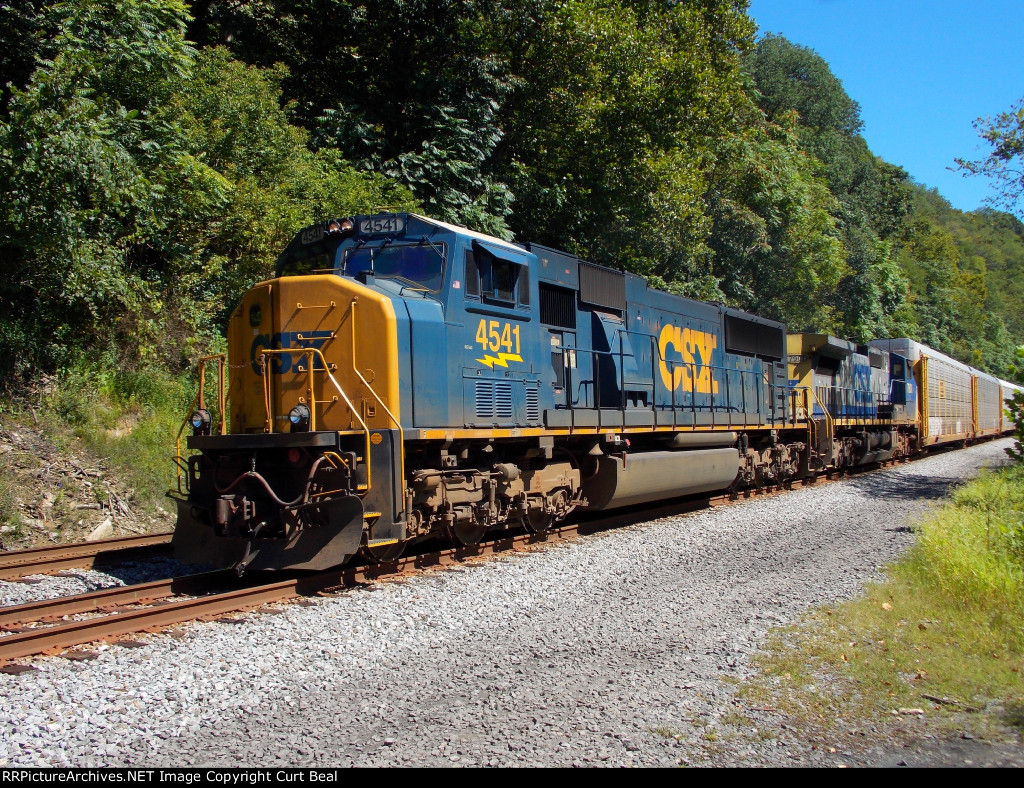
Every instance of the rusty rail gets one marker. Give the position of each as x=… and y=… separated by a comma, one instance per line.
x=73, y=633
x=106, y=598
x=41, y=560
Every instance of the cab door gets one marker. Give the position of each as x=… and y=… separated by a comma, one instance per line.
x=565, y=388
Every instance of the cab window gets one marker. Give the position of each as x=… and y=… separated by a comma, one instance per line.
x=496, y=280
x=420, y=265
x=305, y=262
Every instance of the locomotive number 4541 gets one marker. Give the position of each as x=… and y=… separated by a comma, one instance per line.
x=495, y=335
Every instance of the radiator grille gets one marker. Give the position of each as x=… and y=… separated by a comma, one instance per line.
x=557, y=306
x=753, y=338
x=532, y=405
x=493, y=400
x=602, y=286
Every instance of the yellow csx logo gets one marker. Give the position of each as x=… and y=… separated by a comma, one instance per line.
x=691, y=351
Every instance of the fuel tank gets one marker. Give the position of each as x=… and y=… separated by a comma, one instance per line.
x=650, y=476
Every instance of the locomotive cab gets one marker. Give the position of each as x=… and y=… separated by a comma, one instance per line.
x=356, y=350
x=308, y=465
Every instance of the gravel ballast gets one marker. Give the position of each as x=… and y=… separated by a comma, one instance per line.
x=610, y=650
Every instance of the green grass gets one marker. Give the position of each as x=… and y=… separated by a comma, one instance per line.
x=8, y=507
x=947, y=623
x=129, y=419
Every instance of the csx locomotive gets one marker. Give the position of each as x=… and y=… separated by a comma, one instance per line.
x=403, y=378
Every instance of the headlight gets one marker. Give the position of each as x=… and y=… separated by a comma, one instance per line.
x=340, y=226
x=299, y=418
x=201, y=422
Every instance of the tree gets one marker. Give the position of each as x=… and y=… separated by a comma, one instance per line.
x=146, y=185
x=235, y=130
x=1016, y=408
x=1005, y=164
x=20, y=44
x=778, y=250
x=404, y=88
x=614, y=127
x=966, y=275
x=78, y=153
x=873, y=198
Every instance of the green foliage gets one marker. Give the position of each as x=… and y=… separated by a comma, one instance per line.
x=966, y=273
x=8, y=503
x=1005, y=133
x=259, y=181
x=146, y=185
x=871, y=195
x=946, y=622
x=148, y=181
x=130, y=418
x=406, y=89
x=76, y=156
x=1015, y=408
x=794, y=78
x=778, y=251
x=20, y=43
x=974, y=549
x=613, y=128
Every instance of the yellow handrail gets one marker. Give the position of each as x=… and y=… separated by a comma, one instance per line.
x=831, y=422
x=310, y=353
x=221, y=360
x=177, y=441
x=199, y=401
x=394, y=420
x=309, y=372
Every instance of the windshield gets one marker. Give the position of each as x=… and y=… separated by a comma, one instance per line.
x=421, y=265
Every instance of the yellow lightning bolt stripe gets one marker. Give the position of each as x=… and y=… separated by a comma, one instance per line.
x=501, y=360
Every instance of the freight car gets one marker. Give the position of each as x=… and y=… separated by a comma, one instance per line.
x=402, y=378
x=958, y=403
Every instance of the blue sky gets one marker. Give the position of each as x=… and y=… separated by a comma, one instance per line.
x=921, y=70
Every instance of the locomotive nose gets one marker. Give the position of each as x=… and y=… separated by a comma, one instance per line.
x=322, y=355
x=313, y=456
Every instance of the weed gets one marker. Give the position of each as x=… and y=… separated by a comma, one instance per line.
x=947, y=624
x=130, y=419
x=10, y=517
x=1014, y=716
x=736, y=719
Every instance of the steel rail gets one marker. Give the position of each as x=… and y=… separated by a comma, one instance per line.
x=39, y=640
x=75, y=633
x=40, y=560
x=106, y=598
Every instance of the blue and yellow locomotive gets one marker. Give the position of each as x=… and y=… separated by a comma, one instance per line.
x=402, y=378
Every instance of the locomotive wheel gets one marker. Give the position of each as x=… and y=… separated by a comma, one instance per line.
x=383, y=553
x=466, y=534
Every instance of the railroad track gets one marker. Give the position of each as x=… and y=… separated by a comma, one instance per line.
x=45, y=560
x=157, y=605
x=161, y=604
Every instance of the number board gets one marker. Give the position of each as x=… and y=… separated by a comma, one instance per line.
x=313, y=234
x=378, y=225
